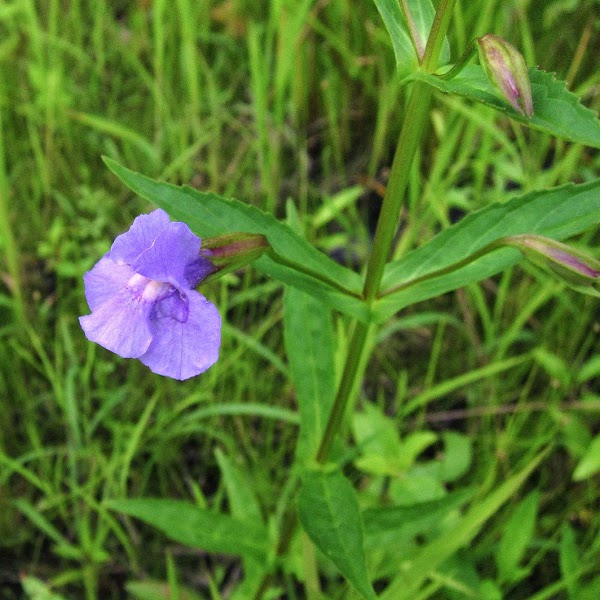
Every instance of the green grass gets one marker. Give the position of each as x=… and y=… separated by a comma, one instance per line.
x=269, y=102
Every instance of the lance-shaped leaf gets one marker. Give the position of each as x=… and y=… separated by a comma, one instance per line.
x=556, y=110
x=329, y=513
x=446, y=262
x=308, y=333
x=192, y=526
x=291, y=258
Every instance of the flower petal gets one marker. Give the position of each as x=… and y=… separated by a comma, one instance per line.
x=122, y=323
x=141, y=235
x=105, y=280
x=184, y=349
x=174, y=257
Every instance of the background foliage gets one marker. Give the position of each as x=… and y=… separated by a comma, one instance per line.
x=275, y=103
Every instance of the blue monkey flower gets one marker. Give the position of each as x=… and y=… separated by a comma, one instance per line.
x=143, y=302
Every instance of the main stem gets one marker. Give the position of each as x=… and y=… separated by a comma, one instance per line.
x=414, y=121
x=336, y=416
x=408, y=142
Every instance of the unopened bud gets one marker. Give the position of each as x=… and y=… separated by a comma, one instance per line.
x=576, y=268
x=232, y=251
x=234, y=248
x=505, y=67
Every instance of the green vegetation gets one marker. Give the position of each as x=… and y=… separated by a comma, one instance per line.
x=295, y=108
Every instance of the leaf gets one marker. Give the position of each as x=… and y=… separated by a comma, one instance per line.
x=554, y=365
x=36, y=589
x=382, y=451
x=458, y=454
x=378, y=521
x=329, y=513
x=192, y=526
x=516, y=537
x=422, y=12
x=378, y=439
x=590, y=461
x=431, y=556
x=557, y=213
x=210, y=215
x=557, y=111
x=308, y=334
x=406, y=57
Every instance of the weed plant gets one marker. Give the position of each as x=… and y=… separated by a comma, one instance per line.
x=294, y=107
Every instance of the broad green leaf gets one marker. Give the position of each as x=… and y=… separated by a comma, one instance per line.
x=557, y=213
x=516, y=537
x=187, y=524
x=457, y=456
x=329, y=513
x=308, y=334
x=557, y=111
x=210, y=215
x=378, y=439
x=590, y=461
x=422, y=12
x=429, y=559
x=417, y=485
x=382, y=451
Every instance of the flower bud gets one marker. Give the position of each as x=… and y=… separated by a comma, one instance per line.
x=576, y=268
x=233, y=250
x=505, y=66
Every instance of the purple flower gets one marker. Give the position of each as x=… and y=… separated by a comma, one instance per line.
x=143, y=303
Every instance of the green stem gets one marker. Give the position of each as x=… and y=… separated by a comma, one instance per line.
x=414, y=122
x=357, y=345
x=439, y=28
x=416, y=115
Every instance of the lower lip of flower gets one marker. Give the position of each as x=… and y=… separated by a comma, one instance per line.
x=147, y=289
